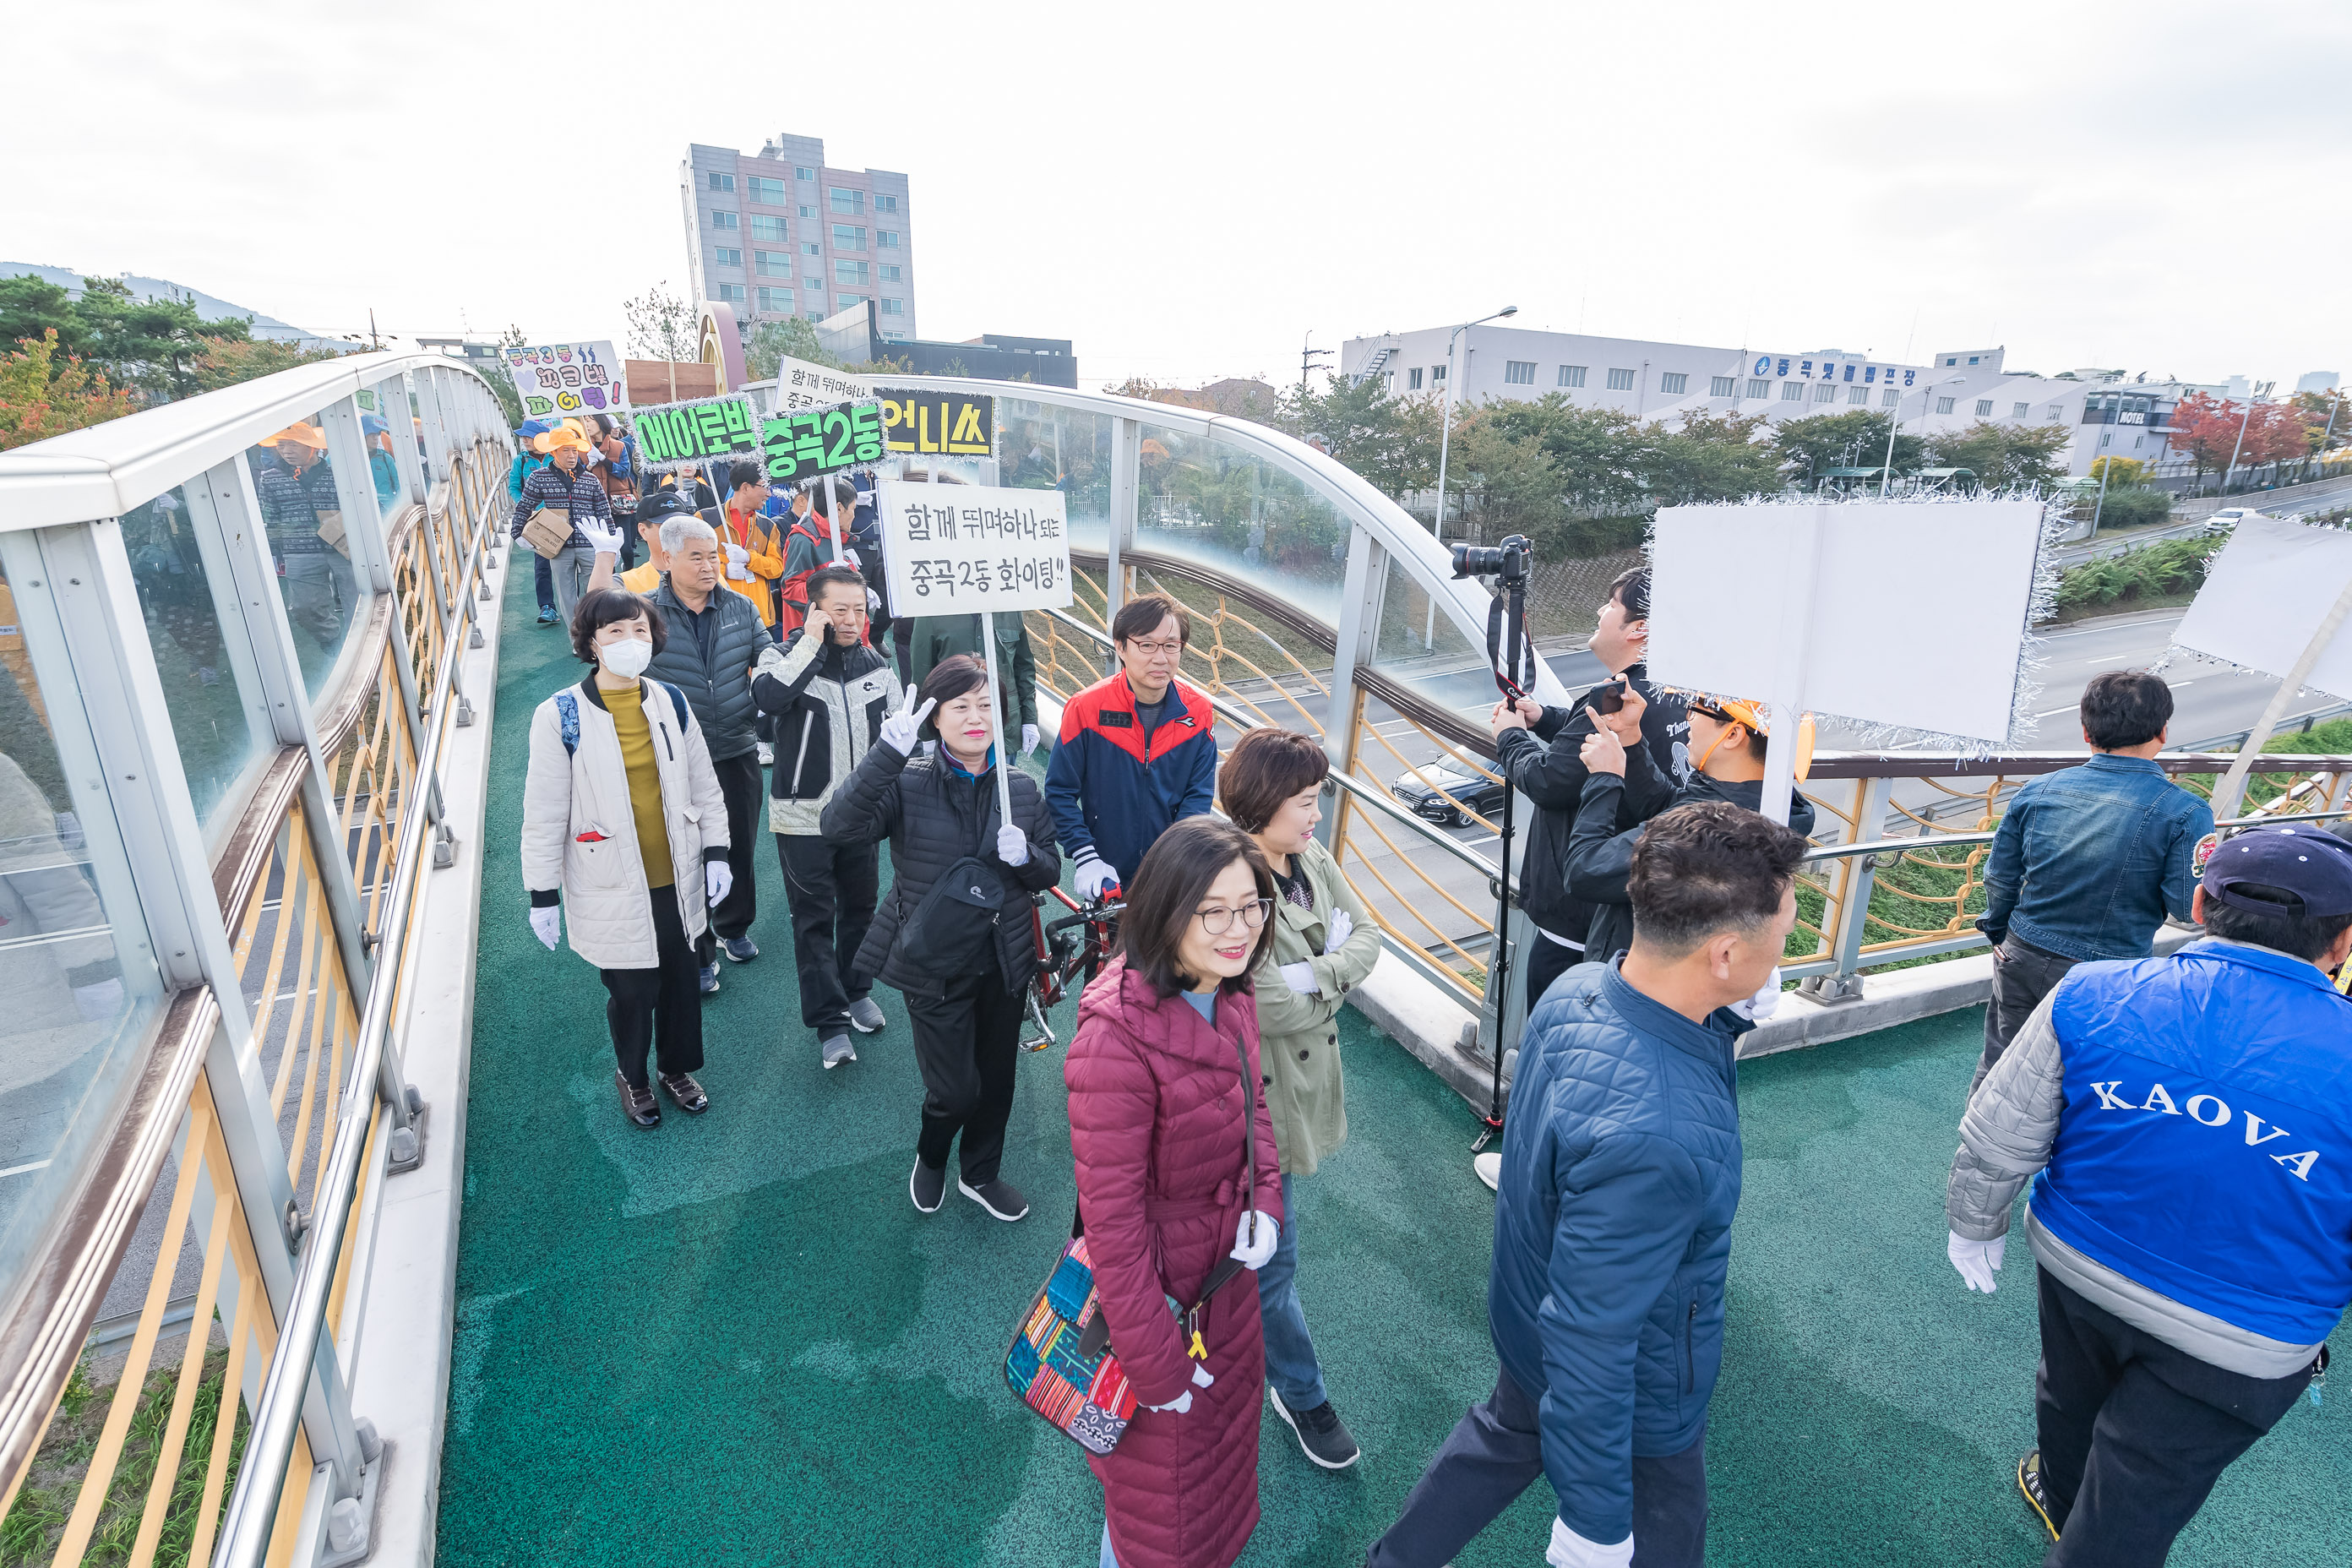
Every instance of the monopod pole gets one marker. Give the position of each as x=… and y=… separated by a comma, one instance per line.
x=996, y=720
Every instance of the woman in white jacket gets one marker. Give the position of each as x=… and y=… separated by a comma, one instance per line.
x=623, y=824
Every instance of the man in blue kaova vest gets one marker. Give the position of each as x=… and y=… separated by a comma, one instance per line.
x=2191, y=1119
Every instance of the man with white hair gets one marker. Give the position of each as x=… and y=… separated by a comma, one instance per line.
x=714, y=639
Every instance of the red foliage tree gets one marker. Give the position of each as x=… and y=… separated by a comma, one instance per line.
x=2205, y=430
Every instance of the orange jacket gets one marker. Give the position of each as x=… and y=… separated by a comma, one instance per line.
x=764, y=545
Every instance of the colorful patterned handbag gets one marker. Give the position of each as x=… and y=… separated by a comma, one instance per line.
x=1061, y=1363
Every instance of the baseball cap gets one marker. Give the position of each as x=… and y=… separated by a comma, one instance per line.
x=375, y=424
x=2310, y=864
x=664, y=503
x=1740, y=710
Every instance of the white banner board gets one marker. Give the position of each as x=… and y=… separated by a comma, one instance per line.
x=2266, y=595
x=800, y=384
x=955, y=550
x=555, y=380
x=1909, y=613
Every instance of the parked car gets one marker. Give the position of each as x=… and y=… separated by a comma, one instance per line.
x=1466, y=781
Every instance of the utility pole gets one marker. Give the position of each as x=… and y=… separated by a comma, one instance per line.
x=1308, y=355
x=2253, y=392
x=373, y=340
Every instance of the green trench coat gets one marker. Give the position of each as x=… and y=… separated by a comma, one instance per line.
x=1298, y=1036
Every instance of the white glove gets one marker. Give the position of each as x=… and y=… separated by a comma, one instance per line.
x=850, y=558
x=738, y=564
x=1300, y=978
x=1337, y=930
x=1256, y=1255
x=603, y=537
x=1976, y=1261
x=1183, y=1402
x=899, y=729
x=717, y=880
x=1569, y=1550
x=98, y=1003
x=873, y=603
x=547, y=923
x=1012, y=846
x=1028, y=739
x=1764, y=1002
x=1095, y=874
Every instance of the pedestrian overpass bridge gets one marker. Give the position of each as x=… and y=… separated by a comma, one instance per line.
x=322, y=1241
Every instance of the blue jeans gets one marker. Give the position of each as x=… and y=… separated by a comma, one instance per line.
x=545, y=581
x=1290, y=1363
x=1108, y=1560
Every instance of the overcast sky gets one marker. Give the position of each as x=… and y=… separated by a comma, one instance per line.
x=1188, y=192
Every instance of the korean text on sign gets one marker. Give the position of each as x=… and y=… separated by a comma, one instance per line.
x=672, y=434
x=956, y=424
x=800, y=384
x=813, y=441
x=557, y=379
x=955, y=549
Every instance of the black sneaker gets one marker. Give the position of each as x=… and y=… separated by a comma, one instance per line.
x=2029, y=1482
x=927, y=1187
x=1321, y=1435
x=998, y=1196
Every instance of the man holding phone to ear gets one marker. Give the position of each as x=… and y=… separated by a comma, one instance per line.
x=1539, y=750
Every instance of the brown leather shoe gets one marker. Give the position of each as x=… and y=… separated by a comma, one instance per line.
x=637, y=1104
x=685, y=1093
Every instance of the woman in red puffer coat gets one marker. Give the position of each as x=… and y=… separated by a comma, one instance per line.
x=1177, y=1171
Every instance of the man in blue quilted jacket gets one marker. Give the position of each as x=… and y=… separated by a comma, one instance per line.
x=2191, y=1122
x=1612, y=1220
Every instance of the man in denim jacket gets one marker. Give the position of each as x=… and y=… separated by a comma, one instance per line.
x=2089, y=861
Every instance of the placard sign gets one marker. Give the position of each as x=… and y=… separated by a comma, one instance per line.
x=958, y=549
x=2267, y=594
x=556, y=379
x=674, y=435
x=951, y=424
x=813, y=441
x=800, y=384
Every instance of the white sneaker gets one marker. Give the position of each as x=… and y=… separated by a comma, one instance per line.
x=1489, y=1167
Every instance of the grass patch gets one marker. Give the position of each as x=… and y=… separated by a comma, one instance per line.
x=36, y=1520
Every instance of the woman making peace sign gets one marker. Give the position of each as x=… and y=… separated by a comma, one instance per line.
x=959, y=948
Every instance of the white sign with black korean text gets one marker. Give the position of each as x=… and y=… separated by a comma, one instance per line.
x=800, y=384
x=957, y=549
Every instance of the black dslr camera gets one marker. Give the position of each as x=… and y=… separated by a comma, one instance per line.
x=1507, y=561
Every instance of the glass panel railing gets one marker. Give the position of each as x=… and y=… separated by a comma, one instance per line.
x=81, y=989
x=378, y=408
x=294, y=484
x=1216, y=503
x=219, y=718
x=1042, y=446
x=1423, y=651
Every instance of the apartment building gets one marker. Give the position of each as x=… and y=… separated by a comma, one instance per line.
x=779, y=233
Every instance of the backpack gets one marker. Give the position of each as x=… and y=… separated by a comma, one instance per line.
x=567, y=714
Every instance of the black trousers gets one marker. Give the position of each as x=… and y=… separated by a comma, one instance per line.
x=1496, y=1452
x=2022, y=974
x=1545, y=961
x=659, y=1007
x=831, y=891
x=966, y=1041
x=740, y=781
x=2134, y=1433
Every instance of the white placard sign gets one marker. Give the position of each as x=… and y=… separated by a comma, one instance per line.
x=956, y=550
x=1910, y=614
x=800, y=384
x=2267, y=594
x=559, y=380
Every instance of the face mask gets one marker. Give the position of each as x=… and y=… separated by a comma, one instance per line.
x=626, y=659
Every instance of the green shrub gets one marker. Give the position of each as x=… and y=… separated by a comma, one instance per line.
x=2134, y=507
x=2168, y=567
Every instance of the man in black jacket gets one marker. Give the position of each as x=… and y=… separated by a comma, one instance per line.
x=1539, y=751
x=714, y=638
x=1728, y=765
x=828, y=691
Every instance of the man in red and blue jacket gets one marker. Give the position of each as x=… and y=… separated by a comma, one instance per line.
x=1137, y=752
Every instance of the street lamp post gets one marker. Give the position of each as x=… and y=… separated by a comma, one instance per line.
x=1445, y=441
x=1895, y=423
x=2252, y=393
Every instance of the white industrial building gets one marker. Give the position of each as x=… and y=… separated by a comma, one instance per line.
x=1948, y=391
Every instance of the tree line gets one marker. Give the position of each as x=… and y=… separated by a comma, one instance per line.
x=68, y=361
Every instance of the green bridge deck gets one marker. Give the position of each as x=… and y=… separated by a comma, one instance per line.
x=734, y=1341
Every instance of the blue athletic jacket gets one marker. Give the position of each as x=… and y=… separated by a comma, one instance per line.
x=1613, y=1233
x=1111, y=795
x=2205, y=1145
